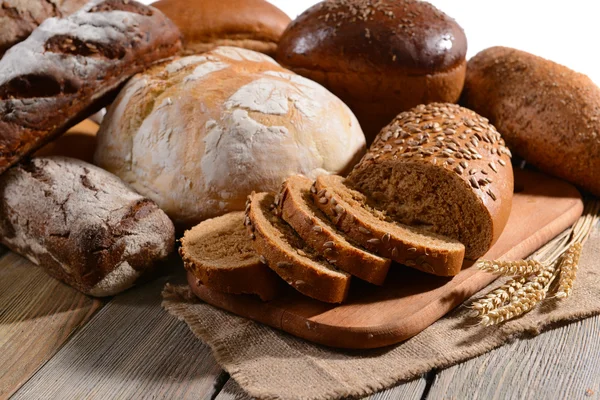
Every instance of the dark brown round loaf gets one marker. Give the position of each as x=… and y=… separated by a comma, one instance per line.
x=379, y=56
x=547, y=113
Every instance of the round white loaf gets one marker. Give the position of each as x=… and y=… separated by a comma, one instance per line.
x=198, y=134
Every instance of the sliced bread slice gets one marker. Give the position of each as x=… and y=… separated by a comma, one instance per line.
x=289, y=256
x=219, y=253
x=297, y=208
x=349, y=211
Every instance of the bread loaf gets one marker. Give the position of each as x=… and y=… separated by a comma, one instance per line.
x=221, y=256
x=78, y=142
x=200, y=133
x=443, y=169
x=81, y=224
x=289, y=256
x=69, y=66
x=206, y=24
x=548, y=114
x=380, y=57
x=18, y=18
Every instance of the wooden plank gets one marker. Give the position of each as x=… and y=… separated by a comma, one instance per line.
x=410, y=300
x=131, y=349
x=560, y=364
x=38, y=314
x=412, y=390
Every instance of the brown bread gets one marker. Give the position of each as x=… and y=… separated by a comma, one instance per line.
x=289, y=256
x=81, y=224
x=548, y=114
x=444, y=169
x=221, y=256
x=69, y=67
x=380, y=57
x=351, y=214
x=298, y=209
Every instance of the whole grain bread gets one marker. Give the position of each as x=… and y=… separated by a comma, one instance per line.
x=442, y=168
x=18, y=18
x=548, y=114
x=69, y=68
x=350, y=212
x=221, y=256
x=289, y=256
x=297, y=208
x=81, y=224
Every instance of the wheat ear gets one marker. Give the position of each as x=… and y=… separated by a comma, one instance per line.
x=511, y=268
x=568, y=270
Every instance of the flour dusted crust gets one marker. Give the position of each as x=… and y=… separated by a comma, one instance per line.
x=81, y=224
x=198, y=134
x=69, y=67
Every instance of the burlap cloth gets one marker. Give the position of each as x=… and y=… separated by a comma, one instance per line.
x=270, y=364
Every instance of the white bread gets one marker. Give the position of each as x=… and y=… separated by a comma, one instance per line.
x=198, y=134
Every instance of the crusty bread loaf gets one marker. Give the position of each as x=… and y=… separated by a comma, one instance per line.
x=297, y=208
x=81, y=224
x=69, y=67
x=548, y=114
x=350, y=212
x=380, y=57
x=200, y=133
x=206, y=24
x=221, y=256
x=78, y=142
x=289, y=256
x=443, y=168
x=18, y=18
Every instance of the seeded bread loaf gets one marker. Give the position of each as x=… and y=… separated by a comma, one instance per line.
x=444, y=169
x=350, y=212
x=297, y=208
x=81, y=224
x=380, y=57
x=220, y=255
x=548, y=114
x=289, y=256
x=18, y=18
x=69, y=67
x=206, y=24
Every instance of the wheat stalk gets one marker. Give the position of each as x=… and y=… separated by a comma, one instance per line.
x=534, y=277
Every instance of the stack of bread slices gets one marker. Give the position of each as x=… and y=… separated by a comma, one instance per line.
x=435, y=187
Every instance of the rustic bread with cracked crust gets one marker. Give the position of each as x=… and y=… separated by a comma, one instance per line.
x=442, y=168
x=81, y=224
x=221, y=256
x=297, y=208
x=18, y=18
x=547, y=113
x=351, y=214
x=289, y=256
x=69, y=67
x=206, y=24
x=380, y=57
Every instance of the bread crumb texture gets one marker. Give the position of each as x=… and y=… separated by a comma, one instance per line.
x=199, y=133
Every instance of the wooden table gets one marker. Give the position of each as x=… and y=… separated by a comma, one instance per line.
x=56, y=343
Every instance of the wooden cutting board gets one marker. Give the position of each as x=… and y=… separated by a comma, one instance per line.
x=410, y=300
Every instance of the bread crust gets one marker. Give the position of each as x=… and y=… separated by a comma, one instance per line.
x=249, y=277
x=81, y=224
x=547, y=113
x=206, y=24
x=68, y=68
x=324, y=238
x=389, y=243
x=322, y=283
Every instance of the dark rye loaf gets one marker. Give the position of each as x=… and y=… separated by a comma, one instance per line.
x=69, y=67
x=82, y=224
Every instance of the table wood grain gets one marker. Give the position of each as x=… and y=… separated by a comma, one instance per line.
x=38, y=314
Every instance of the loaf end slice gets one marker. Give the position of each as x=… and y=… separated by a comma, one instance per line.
x=349, y=211
x=221, y=256
x=297, y=208
x=289, y=256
